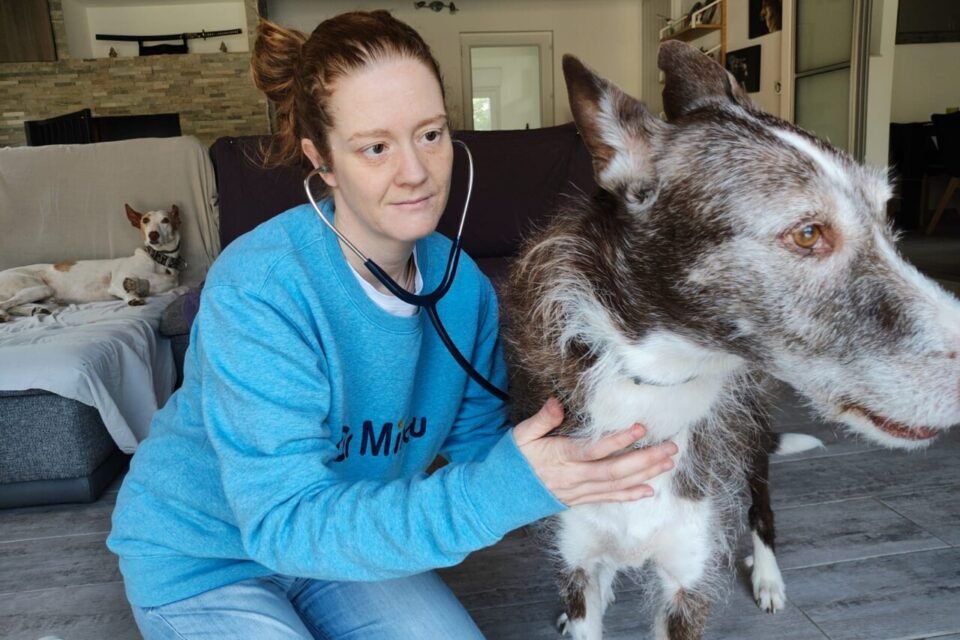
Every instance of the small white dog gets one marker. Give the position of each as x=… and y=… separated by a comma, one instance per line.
x=153, y=268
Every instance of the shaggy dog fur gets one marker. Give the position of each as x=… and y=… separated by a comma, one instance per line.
x=724, y=246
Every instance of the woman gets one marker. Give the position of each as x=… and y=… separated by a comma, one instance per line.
x=282, y=491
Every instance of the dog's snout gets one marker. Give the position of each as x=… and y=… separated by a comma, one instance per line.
x=153, y=236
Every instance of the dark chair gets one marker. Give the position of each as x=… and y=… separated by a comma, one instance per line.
x=70, y=128
x=153, y=125
x=915, y=159
x=947, y=128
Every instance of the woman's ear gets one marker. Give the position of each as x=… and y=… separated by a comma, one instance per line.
x=313, y=154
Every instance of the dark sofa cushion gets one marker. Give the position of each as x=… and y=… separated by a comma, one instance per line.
x=519, y=178
x=248, y=193
x=179, y=314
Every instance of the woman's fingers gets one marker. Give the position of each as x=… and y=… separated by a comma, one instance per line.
x=626, y=495
x=540, y=424
x=626, y=473
x=648, y=461
x=578, y=472
x=612, y=443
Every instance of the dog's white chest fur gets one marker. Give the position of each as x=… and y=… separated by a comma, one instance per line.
x=670, y=385
x=666, y=382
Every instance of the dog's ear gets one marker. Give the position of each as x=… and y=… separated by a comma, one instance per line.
x=619, y=131
x=175, y=216
x=133, y=216
x=693, y=80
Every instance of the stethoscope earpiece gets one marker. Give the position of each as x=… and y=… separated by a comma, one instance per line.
x=426, y=301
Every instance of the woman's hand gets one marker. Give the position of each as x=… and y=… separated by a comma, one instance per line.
x=578, y=472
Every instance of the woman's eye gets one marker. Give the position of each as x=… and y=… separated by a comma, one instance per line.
x=433, y=135
x=375, y=149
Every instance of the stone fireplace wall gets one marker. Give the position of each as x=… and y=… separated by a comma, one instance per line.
x=213, y=93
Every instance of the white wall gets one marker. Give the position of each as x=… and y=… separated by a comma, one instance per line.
x=880, y=82
x=605, y=34
x=86, y=18
x=738, y=37
x=650, y=34
x=926, y=79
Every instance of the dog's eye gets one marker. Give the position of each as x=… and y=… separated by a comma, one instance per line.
x=811, y=239
x=807, y=236
x=165, y=221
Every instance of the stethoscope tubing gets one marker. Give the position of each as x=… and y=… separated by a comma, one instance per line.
x=427, y=301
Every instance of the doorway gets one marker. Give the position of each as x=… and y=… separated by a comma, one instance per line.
x=507, y=80
x=830, y=70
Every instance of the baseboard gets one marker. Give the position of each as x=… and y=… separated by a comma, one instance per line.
x=64, y=490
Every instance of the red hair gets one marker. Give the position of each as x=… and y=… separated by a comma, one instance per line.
x=299, y=74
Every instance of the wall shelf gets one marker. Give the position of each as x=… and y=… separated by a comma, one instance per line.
x=692, y=33
x=700, y=23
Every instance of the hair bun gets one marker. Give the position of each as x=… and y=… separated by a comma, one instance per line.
x=276, y=60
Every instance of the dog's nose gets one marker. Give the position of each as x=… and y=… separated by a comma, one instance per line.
x=154, y=236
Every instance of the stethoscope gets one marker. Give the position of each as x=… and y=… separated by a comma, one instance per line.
x=427, y=301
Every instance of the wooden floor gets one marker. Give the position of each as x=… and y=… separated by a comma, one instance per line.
x=869, y=541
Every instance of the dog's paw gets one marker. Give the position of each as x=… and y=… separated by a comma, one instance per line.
x=136, y=302
x=563, y=625
x=139, y=287
x=769, y=591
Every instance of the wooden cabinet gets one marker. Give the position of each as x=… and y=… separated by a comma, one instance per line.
x=25, y=31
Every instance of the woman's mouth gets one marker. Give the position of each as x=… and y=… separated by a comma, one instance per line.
x=413, y=202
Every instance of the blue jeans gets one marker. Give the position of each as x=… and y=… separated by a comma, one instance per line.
x=420, y=607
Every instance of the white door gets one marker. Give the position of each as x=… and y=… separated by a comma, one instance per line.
x=830, y=70
x=507, y=80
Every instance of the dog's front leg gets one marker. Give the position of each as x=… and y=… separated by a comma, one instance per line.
x=683, y=616
x=688, y=563
x=585, y=594
x=769, y=590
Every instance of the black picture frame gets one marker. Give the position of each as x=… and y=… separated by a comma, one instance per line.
x=926, y=21
x=765, y=16
x=744, y=64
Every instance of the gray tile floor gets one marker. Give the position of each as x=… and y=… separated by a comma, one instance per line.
x=869, y=543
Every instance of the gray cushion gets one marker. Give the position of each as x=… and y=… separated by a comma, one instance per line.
x=44, y=436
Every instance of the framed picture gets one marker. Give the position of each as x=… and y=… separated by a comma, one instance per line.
x=744, y=64
x=764, y=17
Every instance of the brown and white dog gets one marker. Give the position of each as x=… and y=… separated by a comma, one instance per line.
x=153, y=268
x=723, y=247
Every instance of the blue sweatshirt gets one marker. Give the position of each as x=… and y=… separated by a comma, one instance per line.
x=299, y=440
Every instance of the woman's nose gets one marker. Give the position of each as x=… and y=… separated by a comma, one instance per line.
x=412, y=169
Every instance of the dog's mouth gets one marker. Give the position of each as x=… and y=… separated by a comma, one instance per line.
x=892, y=427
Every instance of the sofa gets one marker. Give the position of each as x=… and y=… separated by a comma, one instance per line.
x=520, y=177
x=78, y=387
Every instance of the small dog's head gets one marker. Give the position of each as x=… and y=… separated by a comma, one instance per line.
x=160, y=229
x=761, y=240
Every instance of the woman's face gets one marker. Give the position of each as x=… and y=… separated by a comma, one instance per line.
x=390, y=153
